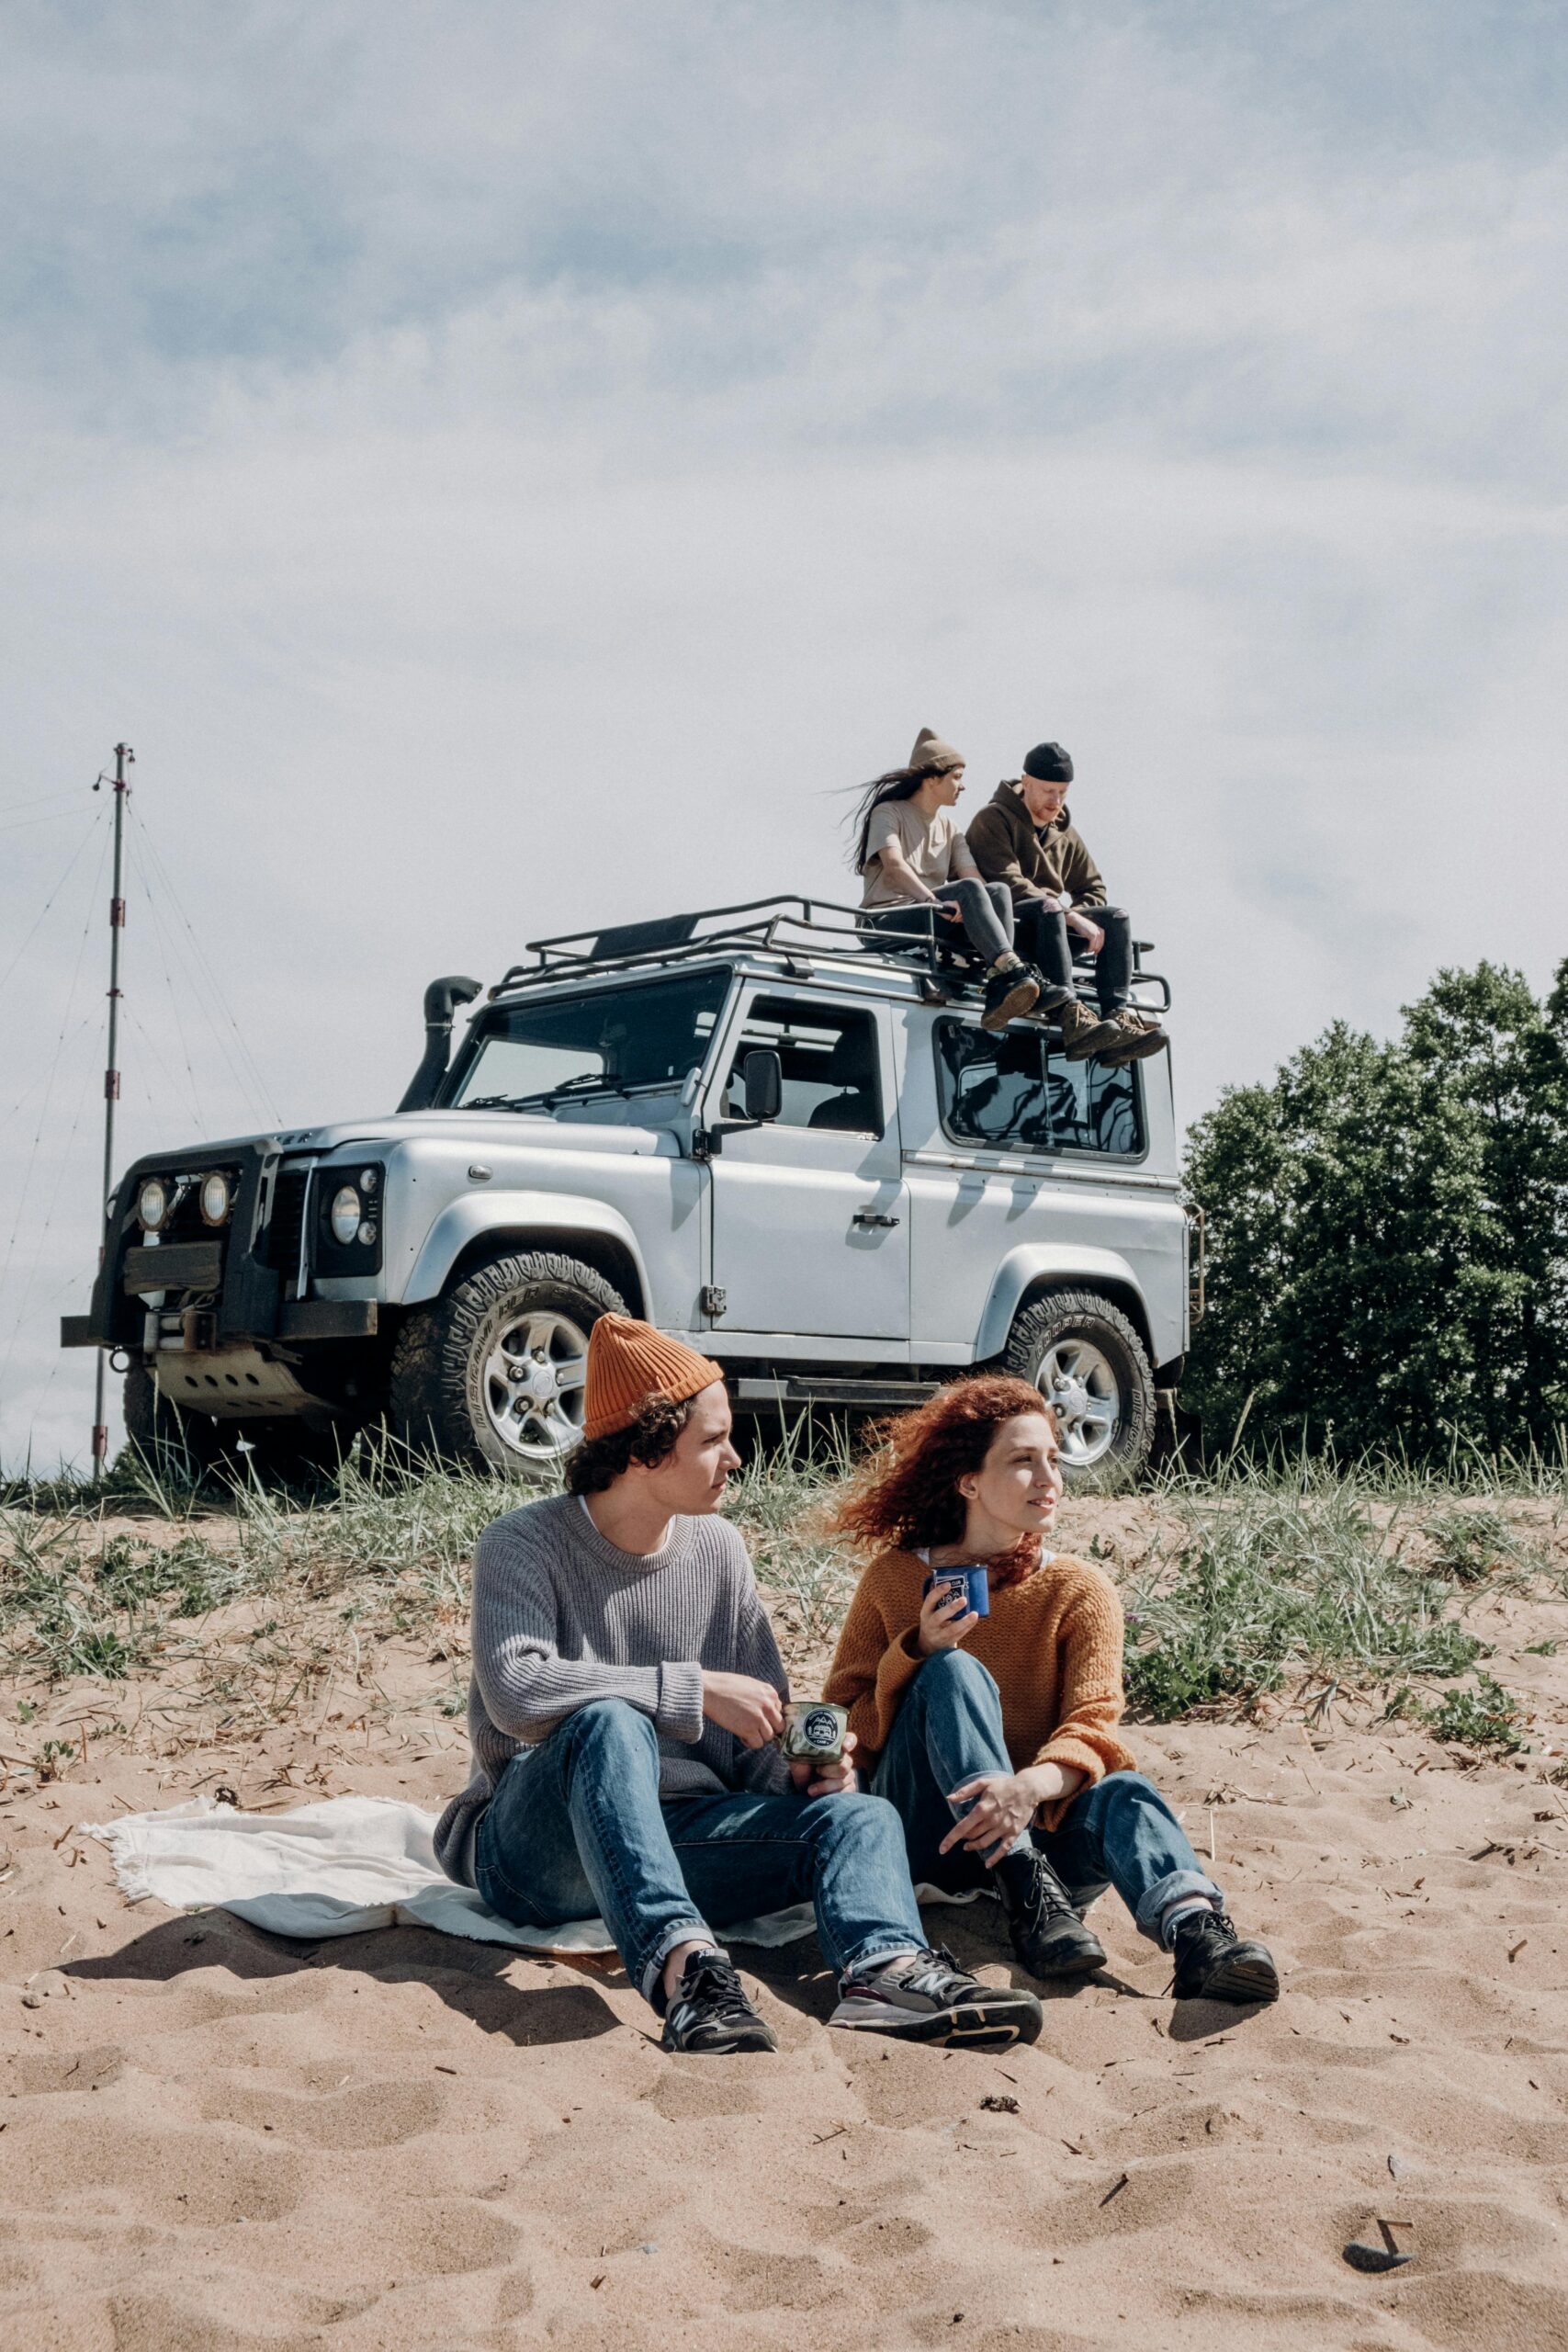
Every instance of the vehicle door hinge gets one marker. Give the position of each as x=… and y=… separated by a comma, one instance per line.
x=712, y=1300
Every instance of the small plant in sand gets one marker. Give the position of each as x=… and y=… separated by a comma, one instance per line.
x=1470, y=1545
x=1487, y=1717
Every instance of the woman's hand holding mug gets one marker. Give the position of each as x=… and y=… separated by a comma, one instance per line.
x=945, y=1618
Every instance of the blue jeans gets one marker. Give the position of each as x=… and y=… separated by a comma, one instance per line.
x=577, y=1826
x=1118, y=1833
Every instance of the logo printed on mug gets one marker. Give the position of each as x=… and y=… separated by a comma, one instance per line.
x=814, y=1730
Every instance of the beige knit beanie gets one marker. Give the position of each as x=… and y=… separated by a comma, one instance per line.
x=931, y=751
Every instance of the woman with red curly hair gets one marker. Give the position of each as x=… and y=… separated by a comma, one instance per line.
x=997, y=1736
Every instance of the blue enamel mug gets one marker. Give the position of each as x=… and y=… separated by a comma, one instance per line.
x=974, y=1584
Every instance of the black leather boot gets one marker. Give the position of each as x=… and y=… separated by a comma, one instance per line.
x=1048, y=1934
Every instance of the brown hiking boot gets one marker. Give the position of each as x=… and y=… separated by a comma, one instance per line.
x=1138, y=1035
x=1082, y=1035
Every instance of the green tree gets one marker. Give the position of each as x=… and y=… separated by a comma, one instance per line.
x=1388, y=1228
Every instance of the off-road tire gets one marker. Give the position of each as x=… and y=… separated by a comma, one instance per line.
x=1056, y=1314
x=186, y=1445
x=435, y=1395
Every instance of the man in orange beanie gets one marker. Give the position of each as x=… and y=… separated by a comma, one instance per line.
x=627, y=1697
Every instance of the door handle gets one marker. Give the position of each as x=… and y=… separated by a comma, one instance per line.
x=872, y=1216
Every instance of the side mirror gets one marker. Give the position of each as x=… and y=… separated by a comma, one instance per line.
x=761, y=1078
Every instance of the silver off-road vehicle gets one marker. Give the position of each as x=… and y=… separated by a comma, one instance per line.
x=788, y=1144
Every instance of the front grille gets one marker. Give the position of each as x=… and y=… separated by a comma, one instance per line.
x=281, y=1248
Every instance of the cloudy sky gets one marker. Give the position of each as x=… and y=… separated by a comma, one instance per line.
x=507, y=467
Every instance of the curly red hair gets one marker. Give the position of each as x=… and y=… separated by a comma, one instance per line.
x=907, y=1494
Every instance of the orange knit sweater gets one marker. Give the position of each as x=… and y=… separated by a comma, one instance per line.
x=1053, y=1642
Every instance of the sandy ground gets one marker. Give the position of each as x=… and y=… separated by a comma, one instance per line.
x=212, y=2139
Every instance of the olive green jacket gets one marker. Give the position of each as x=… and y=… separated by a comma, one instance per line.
x=1006, y=848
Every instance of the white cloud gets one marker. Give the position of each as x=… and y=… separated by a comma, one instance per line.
x=510, y=479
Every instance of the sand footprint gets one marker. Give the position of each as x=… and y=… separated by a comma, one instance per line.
x=363, y=2115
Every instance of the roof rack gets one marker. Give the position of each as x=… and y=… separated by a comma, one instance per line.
x=789, y=925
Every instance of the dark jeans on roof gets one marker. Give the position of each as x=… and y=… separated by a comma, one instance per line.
x=577, y=1827
x=1118, y=1833
x=1044, y=938
x=985, y=908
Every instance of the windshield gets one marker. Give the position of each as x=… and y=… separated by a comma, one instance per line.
x=615, y=1042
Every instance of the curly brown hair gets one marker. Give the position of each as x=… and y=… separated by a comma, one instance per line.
x=907, y=1494
x=648, y=1438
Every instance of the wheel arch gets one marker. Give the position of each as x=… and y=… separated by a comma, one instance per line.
x=473, y=1231
x=1026, y=1273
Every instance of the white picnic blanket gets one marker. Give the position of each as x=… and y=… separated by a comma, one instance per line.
x=339, y=1867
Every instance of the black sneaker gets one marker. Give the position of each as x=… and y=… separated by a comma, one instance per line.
x=926, y=1997
x=1048, y=1934
x=1009, y=994
x=1214, y=1964
x=709, y=2013
x=1053, y=995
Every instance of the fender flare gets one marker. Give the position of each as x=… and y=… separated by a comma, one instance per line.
x=465, y=1220
x=1031, y=1264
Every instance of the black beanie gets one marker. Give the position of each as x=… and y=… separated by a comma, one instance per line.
x=1048, y=763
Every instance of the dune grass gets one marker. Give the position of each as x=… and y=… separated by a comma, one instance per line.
x=1273, y=1587
x=1292, y=1578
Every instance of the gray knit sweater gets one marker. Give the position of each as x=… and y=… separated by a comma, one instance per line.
x=561, y=1617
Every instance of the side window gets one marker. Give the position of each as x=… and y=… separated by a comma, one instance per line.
x=1004, y=1089
x=829, y=1061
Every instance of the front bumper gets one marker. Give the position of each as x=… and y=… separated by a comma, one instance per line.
x=234, y=1287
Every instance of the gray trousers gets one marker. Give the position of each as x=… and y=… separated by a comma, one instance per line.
x=985, y=908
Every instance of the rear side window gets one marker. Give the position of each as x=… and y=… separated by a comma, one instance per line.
x=829, y=1061
x=1003, y=1090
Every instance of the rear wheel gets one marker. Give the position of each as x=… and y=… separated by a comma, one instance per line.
x=1092, y=1369
x=494, y=1373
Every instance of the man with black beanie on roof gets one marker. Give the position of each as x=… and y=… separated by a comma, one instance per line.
x=1025, y=838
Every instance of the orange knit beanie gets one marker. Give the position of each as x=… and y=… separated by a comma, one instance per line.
x=627, y=1363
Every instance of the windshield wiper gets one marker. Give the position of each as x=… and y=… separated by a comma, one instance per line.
x=586, y=1082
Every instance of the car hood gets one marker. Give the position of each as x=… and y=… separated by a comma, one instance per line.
x=474, y=1130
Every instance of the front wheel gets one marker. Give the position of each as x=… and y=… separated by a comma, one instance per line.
x=169, y=1441
x=494, y=1373
x=1090, y=1366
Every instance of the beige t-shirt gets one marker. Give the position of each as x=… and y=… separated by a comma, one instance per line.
x=927, y=844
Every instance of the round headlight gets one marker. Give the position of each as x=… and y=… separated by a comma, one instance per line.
x=152, y=1203
x=214, y=1198
x=345, y=1215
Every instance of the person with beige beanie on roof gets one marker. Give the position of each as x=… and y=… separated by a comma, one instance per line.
x=908, y=852
x=626, y=1699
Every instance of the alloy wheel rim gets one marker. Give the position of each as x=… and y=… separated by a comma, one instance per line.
x=533, y=1385
x=1077, y=1382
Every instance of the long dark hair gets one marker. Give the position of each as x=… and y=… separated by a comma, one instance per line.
x=898, y=784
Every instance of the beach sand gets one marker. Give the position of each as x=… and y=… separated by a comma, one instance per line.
x=212, y=2139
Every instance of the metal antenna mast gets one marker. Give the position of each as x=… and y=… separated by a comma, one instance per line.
x=124, y=757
